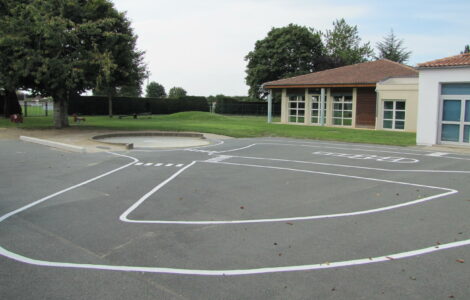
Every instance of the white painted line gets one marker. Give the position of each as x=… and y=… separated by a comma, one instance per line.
x=437, y=154
x=52, y=144
x=158, y=165
x=218, y=158
x=168, y=165
x=310, y=267
x=179, y=165
x=139, y=163
x=124, y=216
x=351, y=166
x=6, y=216
x=148, y=164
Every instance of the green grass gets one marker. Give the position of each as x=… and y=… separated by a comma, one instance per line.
x=235, y=126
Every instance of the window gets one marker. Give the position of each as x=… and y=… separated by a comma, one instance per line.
x=316, y=111
x=297, y=108
x=394, y=114
x=342, y=110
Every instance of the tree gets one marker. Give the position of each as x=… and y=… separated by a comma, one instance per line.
x=65, y=47
x=392, y=48
x=466, y=49
x=284, y=52
x=343, y=45
x=129, y=91
x=155, y=90
x=176, y=92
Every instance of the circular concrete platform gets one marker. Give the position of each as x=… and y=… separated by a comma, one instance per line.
x=154, y=140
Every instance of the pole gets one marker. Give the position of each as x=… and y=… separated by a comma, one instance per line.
x=322, y=107
x=270, y=106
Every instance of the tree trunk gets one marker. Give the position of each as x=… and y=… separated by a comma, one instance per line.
x=11, y=104
x=110, y=105
x=61, y=119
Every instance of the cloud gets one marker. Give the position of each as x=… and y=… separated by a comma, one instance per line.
x=201, y=46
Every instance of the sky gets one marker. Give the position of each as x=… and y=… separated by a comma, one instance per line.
x=201, y=45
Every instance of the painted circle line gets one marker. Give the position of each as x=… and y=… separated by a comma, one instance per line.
x=20, y=258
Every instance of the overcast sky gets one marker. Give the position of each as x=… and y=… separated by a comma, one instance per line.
x=201, y=45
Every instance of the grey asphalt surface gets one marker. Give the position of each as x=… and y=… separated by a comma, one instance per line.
x=266, y=178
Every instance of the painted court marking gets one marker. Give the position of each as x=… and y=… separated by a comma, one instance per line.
x=362, y=261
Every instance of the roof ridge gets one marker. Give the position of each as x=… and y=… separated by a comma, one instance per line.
x=443, y=59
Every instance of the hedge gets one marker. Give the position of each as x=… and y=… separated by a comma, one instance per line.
x=98, y=105
x=229, y=105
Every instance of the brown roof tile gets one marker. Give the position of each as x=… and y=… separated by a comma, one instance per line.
x=362, y=73
x=452, y=61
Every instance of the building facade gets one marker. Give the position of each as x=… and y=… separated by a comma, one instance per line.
x=377, y=95
x=444, y=101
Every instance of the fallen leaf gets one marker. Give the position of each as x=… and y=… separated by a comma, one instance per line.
x=275, y=244
x=242, y=207
x=289, y=223
x=460, y=261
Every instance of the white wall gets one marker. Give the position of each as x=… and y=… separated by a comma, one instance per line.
x=430, y=81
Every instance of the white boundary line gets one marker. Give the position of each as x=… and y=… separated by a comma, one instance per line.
x=31, y=261
x=328, y=265
x=124, y=216
x=53, y=144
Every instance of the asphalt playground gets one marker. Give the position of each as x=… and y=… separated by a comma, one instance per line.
x=264, y=218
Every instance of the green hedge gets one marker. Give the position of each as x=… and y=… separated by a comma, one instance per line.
x=229, y=105
x=98, y=105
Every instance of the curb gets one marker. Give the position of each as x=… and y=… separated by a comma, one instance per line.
x=53, y=144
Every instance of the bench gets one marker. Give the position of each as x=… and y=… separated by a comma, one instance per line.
x=78, y=119
x=135, y=116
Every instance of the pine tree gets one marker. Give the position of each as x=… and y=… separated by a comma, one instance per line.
x=392, y=48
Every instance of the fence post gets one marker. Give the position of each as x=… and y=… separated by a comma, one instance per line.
x=46, y=108
x=25, y=108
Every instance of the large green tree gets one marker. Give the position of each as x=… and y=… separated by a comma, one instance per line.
x=176, y=92
x=466, y=49
x=284, y=52
x=156, y=90
x=65, y=47
x=392, y=48
x=343, y=45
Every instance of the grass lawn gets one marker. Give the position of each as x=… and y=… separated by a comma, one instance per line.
x=235, y=126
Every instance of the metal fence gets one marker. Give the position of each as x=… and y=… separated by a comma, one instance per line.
x=36, y=108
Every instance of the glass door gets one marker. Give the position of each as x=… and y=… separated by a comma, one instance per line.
x=455, y=119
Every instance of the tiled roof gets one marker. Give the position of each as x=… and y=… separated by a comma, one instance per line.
x=363, y=73
x=452, y=61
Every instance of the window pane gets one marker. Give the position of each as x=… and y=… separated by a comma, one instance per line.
x=301, y=120
x=293, y=112
x=337, y=121
x=400, y=105
x=388, y=114
x=348, y=98
x=314, y=105
x=456, y=89
x=300, y=112
x=388, y=104
x=467, y=111
x=400, y=115
x=337, y=114
x=293, y=105
x=338, y=106
x=314, y=113
x=348, y=106
x=466, y=133
x=451, y=110
x=347, y=122
x=315, y=120
x=292, y=119
x=388, y=124
x=315, y=99
x=301, y=105
x=347, y=114
x=450, y=132
x=399, y=125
